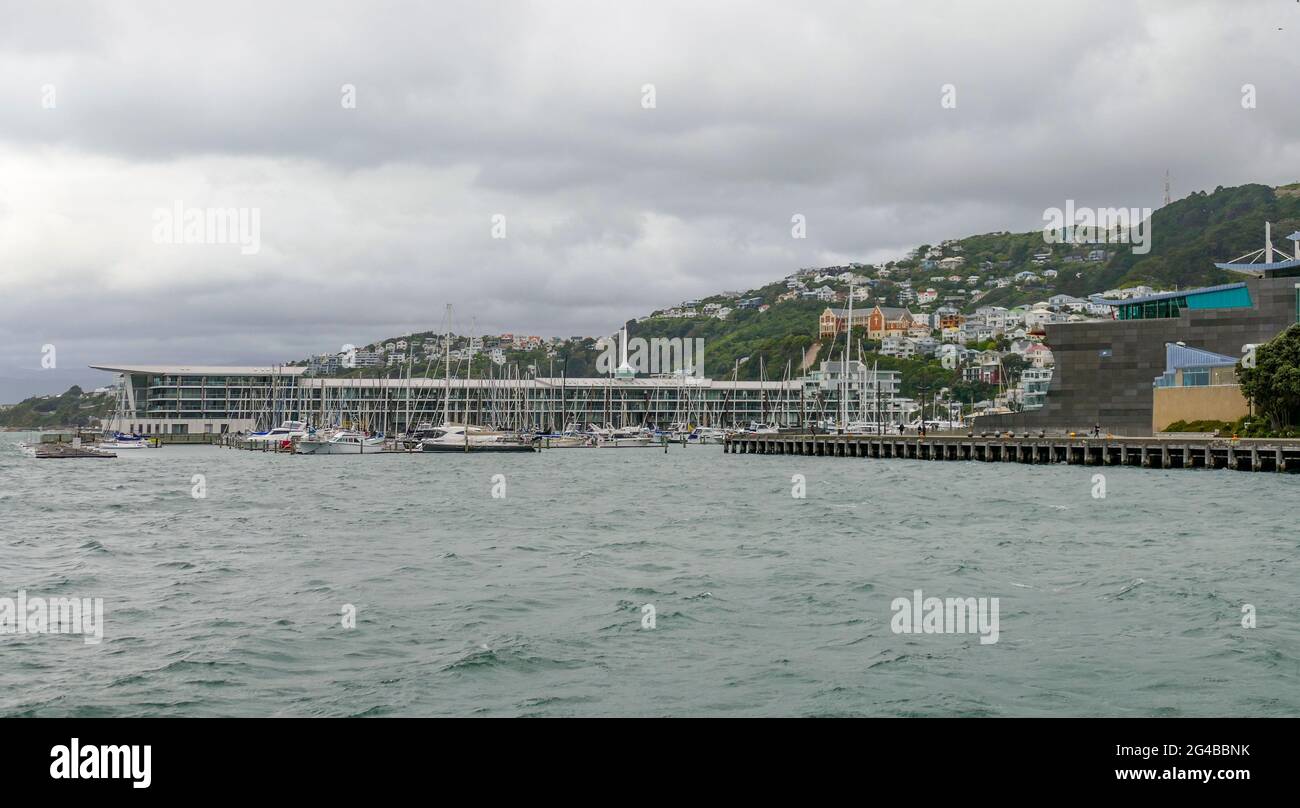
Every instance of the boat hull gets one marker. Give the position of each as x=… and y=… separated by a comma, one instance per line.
x=476, y=447
x=338, y=448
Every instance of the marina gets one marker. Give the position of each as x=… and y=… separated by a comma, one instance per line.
x=190, y=400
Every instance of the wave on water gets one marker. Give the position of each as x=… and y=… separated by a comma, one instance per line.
x=239, y=604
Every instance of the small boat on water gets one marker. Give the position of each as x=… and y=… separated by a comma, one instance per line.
x=461, y=438
x=564, y=440
x=113, y=439
x=690, y=433
x=411, y=440
x=341, y=441
x=609, y=437
x=289, y=430
x=706, y=434
x=119, y=440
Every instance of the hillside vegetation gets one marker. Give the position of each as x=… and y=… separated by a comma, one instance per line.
x=73, y=408
x=1187, y=237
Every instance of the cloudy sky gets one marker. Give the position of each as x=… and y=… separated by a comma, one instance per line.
x=377, y=142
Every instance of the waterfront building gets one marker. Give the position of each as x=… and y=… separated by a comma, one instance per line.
x=1197, y=385
x=866, y=390
x=184, y=399
x=1104, y=368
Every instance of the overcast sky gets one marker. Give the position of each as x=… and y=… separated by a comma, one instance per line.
x=374, y=216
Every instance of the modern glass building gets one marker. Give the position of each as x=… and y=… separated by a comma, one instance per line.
x=216, y=400
x=1173, y=304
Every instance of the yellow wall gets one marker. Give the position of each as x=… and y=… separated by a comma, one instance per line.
x=1213, y=403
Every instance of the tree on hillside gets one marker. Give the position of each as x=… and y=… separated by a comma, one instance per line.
x=1014, y=365
x=1273, y=384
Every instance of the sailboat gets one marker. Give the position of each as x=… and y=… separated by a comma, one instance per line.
x=464, y=437
x=113, y=438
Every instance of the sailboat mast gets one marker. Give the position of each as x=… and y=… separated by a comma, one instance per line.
x=848, y=357
x=446, y=376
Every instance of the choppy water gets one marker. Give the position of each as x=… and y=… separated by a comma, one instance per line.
x=531, y=604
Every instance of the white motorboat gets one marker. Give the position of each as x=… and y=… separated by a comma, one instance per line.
x=627, y=437
x=706, y=434
x=569, y=439
x=342, y=441
x=289, y=430
x=461, y=438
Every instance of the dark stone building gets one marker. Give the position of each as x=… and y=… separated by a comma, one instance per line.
x=1105, y=369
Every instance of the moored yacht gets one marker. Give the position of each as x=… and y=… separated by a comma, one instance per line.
x=462, y=438
x=706, y=434
x=341, y=441
x=289, y=430
x=120, y=441
x=626, y=437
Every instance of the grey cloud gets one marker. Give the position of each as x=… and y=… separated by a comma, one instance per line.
x=376, y=217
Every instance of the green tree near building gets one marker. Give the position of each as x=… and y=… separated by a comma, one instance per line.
x=1273, y=384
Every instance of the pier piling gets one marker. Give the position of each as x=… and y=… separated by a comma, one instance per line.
x=1282, y=454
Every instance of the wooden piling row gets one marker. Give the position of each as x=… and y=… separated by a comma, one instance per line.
x=1281, y=454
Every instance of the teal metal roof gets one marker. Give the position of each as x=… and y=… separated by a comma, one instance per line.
x=1187, y=293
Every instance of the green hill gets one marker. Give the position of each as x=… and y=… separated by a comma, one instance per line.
x=1187, y=237
x=71, y=409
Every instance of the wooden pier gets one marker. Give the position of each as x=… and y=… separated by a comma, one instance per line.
x=1281, y=454
x=67, y=451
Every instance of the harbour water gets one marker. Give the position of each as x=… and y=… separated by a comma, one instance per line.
x=532, y=603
